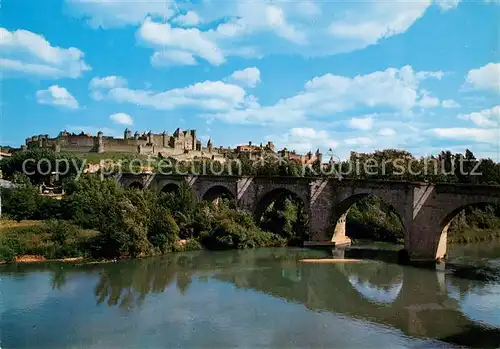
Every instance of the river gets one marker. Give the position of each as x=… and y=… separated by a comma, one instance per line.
x=262, y=298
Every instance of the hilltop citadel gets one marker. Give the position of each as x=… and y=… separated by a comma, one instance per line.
x=181, y=145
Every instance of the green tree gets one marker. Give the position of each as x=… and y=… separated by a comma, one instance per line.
x=21, y=203
x=39, y=164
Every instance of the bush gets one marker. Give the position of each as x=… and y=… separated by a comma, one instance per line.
x=235, y=229
x=163, y=231
x=21, y=203
x=61, y=231
x=51, y=239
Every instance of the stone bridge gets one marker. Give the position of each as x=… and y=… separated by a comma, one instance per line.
x=425, y=209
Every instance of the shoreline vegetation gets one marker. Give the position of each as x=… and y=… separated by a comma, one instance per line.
x=98, y=220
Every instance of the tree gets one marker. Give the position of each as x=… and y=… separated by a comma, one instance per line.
x=21, y=203
x=39, y=164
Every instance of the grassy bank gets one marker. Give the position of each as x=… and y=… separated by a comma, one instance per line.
x=31, y=241
x=471, y=235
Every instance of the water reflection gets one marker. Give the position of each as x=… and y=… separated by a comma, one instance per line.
x=419, y=302
x=377, y=282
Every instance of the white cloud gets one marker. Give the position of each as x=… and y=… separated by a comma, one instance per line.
x=359, y=141
x=191, y=40
x=24, y=52
x=468, y=134
x=396, y=89
x=487, y=122
x=276, y=20
x=446, y=5
x=107, y=82
x=172, y=58
x=485, y=118
x=379, y=20
x=121, y=119
x=450, y=103
x=308, y=28
x=304, y=139
x=207, y=95
x=118, y=13
x=485, y=78
x=190, y=19
x=386, y=132
x=99, y=86
x=249, y=77
x=57, y=96
x=365, y=123
x=422, y=75
x=308, y=133
x=428, y=101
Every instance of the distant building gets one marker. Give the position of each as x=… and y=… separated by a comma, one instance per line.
x=182, y=143
x=255, y=151
x=307, y=159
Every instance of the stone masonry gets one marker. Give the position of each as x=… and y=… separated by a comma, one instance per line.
x=425, y=209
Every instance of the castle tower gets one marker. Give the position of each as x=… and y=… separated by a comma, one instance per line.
x=165, y=139
x=319, y=156
x=127, y=134
x=270, y=146
x=100, y=142
x=193, y=135
x=209, y=145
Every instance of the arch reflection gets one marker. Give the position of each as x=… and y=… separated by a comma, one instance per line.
x=377, y=282
x=409, y=299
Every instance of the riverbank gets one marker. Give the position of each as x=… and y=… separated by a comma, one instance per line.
x=471, y=235
x=32, y=241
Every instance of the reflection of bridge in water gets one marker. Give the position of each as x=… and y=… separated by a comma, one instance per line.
x=421, y=308
x=413, y=300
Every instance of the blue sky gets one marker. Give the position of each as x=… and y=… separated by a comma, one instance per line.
x=346, y=75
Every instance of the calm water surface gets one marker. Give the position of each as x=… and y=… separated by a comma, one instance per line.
x=262, y=298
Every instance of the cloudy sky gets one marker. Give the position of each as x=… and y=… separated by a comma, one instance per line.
x=348, y=75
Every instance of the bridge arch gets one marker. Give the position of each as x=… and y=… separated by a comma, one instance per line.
x=136, y=185
x=342, y=209
x=170, y=187
x=276, y=195
x=442, y=238
x=218, y=191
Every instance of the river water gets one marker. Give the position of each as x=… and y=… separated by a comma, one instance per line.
x=263, y=298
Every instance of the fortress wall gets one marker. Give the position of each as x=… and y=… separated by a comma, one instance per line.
x=147, y=150
x=109, y=142
x=157, y=140
x=49, y=143
x=82, y=141
x=169, y=151
x=73, y=149
x=120, y=148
